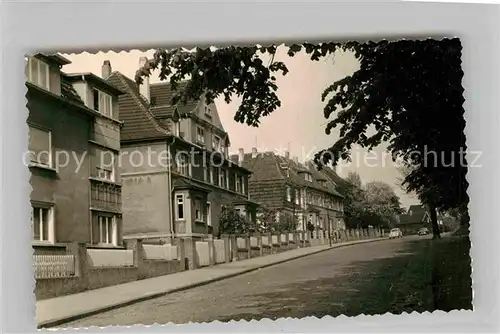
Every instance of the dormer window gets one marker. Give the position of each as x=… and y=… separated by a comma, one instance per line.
x=38, y=73
x=308, y=177
x=200, y=135
x=103, y=103
x=208, y=111
x=216, y=143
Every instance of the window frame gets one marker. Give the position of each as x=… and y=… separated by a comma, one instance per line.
x=216, y=148
x=34, y=161
x=186, y=167
x=238, y=183
x=222, y=177
x=47, y=73
x=212, y=173
x=105, y=97
x=209, y=213
x=288, y=193
x=198, y=211
x=50, y=223
x=200, y=138
x=111, y=234
x=177, y=203
x=208, y=110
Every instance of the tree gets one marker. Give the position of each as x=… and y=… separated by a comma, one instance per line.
x=354, y=200
x=408, y=92
x=406, y=169
x=232, y=222
x=382, y=203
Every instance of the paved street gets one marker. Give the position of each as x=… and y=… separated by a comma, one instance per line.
x=349, y=280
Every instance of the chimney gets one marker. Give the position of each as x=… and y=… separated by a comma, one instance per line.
x=106, y=69
x=144, y=88
x=241, y=156
x=254, y=152
x=287, y=155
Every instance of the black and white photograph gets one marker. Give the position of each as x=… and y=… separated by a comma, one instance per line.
x=259, y=181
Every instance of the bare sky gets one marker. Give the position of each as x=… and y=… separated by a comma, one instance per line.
x=298, y=125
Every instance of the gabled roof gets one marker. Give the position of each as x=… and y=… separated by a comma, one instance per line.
x=96, y=80
x=139, y=121
x=416, y=214
x=161, y=99
x=333, y=176
x=268, y=166
x=68, y=91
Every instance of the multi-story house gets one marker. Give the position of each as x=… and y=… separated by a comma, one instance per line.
x=72, y=119
x=287, y=186
x=176, y=172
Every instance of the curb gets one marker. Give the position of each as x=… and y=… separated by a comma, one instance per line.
x=85, y=314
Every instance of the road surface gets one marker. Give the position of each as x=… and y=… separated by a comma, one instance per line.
x=349, y=280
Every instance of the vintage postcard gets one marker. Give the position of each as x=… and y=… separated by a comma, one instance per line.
x=248, y=182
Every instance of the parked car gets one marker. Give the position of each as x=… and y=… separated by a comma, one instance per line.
x=423, y=231
x=395, y=233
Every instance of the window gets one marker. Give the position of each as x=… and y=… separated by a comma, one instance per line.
x=103, y=103
x=222, y=178
x=42, y=224
x=40, y=146
x=183, y=166
x=243, y=190
x=179, y=207
x=213, y=175
x=104, y=164
x=238, y=183
x=198, y=211
x=227, y=179
x=240, y=211
x=107, y=230
x=200, y=135
x=208, y=111
x=205, y=173
x=105, y=173
x=297, y=197
x=38, y=73
x=153, y=100
x=209, y=214
x=177, y=129
x=216, y=143
x=288, y=194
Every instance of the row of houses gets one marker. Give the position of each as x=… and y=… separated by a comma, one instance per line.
x=101, y=172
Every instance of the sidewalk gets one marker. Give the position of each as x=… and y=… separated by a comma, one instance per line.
x=54, y=311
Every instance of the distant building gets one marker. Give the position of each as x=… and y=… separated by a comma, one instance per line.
x=73, y=119
x=287, y=186
x=417, y=217
x=184, y=196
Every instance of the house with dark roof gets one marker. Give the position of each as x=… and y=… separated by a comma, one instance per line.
x=287, y=186
x=176, y=172
x=416, y=217
x=73, y=128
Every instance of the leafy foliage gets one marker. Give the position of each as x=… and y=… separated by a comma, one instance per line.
x=275, y=221
x=232, y=222
x=409, y=92
x=374, y=204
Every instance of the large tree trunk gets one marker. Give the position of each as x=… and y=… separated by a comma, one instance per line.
x=435, y=226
